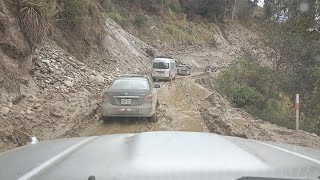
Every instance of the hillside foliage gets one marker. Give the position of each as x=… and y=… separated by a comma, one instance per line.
x=291, y=29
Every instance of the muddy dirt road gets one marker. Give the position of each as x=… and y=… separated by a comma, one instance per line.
x=177, y=111
x=191, y=103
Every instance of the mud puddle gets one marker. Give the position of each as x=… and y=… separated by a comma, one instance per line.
x=181, y=108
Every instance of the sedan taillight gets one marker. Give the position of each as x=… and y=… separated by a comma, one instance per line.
x=148, y=98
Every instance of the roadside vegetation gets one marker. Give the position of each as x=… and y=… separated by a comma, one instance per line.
x=256, y=89
x=173, y=21
x=291, y=30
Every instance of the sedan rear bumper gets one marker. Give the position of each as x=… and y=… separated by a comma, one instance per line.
x=143, y=110
x=160, y=76
x=183, y=73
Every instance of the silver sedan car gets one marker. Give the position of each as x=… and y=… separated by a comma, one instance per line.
x=131, y=96
x=183, y=69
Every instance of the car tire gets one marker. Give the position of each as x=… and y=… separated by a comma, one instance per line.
x=153, y=118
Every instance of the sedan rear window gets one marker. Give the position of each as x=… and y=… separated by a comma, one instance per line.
x=182, y=67
x=160, y=65
x=130, y=83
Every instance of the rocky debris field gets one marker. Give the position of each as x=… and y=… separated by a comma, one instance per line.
x=60, y=96
x=61, y=93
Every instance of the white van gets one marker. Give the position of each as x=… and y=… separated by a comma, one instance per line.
x=164, y=67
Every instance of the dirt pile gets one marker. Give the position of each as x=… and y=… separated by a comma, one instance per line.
x=120, y=52
x=243, y=41
x=60, y=92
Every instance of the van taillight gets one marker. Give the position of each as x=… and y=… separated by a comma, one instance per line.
x=105, y=98
x=147, y=98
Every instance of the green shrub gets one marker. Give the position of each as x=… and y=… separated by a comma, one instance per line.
x=176, y=7
x=36, y=18
x=310, y=124
x=118, y=18
x=244, y=95
x=174, y=30
x=139, y=20
x=247, y=85
x=75, y=12
x=107, y=5
x=272, y=112
x=152, y=6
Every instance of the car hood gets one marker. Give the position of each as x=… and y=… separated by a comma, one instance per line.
x=159, y=155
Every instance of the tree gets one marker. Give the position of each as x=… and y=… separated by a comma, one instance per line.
x=290, y=31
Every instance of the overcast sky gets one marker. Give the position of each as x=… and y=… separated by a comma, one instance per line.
x=260, y=3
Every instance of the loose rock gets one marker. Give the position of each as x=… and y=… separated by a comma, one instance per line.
x=5, y=111
x=68, y=83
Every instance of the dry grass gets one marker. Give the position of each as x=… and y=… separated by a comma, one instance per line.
x=32, y=20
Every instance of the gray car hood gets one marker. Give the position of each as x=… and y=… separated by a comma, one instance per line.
x=159, y=155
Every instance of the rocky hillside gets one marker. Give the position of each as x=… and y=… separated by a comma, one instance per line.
x=49, y=92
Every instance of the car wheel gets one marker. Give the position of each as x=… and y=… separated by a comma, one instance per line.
x=153, y=118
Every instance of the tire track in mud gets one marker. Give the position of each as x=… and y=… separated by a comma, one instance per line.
x=178, y=115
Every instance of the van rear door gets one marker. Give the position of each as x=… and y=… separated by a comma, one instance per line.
x=160, y=69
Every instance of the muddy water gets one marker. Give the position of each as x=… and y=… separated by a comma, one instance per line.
x=178, y=111
x=185, y=116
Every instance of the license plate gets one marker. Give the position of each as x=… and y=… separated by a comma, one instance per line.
x=160, y=72
x=125, y=101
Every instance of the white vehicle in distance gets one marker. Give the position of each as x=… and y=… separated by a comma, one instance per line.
x=164, y=67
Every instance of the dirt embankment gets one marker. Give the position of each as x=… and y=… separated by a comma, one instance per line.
x=59, y=95
x=221, y=118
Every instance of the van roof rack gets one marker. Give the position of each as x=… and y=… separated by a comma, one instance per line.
x=164, y=56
